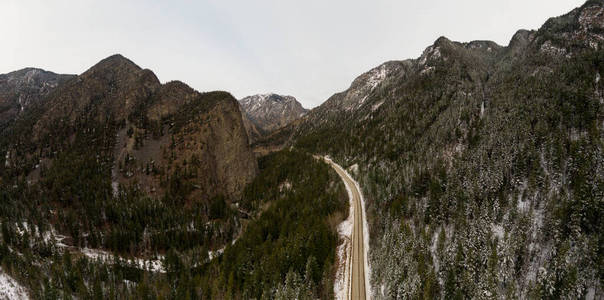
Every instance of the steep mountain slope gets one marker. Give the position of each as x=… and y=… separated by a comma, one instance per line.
x=21, y=88
x=157, y=127
x=99, y=150
x=268, y=112
x=482, y=164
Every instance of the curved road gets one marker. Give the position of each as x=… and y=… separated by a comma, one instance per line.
x=357, y=280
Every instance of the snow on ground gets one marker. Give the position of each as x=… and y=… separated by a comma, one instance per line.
x=431, y=52
x=376, y=76
x=341, y=284
x=10, y=288
x=426, y=70
x=433, y=248
x=214, y=254
x=114, y=175
x=498, y=231
x=151, y=265
x=354, y=169
x=377, y=105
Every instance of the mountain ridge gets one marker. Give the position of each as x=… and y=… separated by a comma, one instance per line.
x=471, y=141
x=22, y=88
x=119, y=91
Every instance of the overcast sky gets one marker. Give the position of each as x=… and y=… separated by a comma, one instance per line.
x=309, y=49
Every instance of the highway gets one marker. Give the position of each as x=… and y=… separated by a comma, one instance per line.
x=357, y=280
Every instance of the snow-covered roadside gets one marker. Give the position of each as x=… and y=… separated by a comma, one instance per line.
x=341, y=285
x=368, y=290
x=10, y=288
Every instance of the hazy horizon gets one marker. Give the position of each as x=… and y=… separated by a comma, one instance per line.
x=309, y=50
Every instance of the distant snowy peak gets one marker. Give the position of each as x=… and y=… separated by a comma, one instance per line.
x=271, y=111
x=20, y=89
x=30, y=79
x=264, y=101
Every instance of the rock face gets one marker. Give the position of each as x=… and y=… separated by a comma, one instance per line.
x=21, y=88
x=142, y=132
x=268, y=112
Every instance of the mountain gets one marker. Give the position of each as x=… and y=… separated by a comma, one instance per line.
x=153, y=125
x=482, y=165
x=268, y=112
x=19, y=89
x=113, y=155
x=156, y=186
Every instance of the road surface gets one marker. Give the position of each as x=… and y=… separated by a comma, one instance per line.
x=357, y=280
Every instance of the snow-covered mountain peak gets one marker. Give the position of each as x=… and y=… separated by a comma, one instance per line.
x=270, y=111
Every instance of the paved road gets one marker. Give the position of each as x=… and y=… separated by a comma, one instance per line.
x=357, y=280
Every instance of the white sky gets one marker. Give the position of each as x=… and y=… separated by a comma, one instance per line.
x=309, y=49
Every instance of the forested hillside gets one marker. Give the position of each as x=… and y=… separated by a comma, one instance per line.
x=286, y=248
x=482, y=165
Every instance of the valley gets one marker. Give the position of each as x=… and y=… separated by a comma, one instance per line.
x=473, y=171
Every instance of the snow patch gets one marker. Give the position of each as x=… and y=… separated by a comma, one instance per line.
x=498, y=231
x=115, y=188
x=344, y=251
x=376, y=76
x=152, y=265
x=286, y=185
x=10, y=288
x=433, y=248
x=426, y=70
x=598, y=92
x=219, y=252
x=550, y=49
x=377, y=105
x=429, y=54
x=214, y=254
x=354, y=169
x=591, y=294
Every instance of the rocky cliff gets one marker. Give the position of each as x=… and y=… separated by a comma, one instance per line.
x=133, y=124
